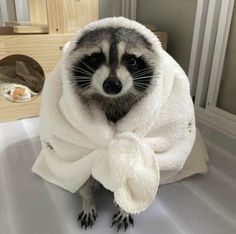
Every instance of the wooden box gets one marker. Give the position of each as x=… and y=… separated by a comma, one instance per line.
x=51, y=25
x=44, y=49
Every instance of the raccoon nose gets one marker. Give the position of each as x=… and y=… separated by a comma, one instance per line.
x=112, y=85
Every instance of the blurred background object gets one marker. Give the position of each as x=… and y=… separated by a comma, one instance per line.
x=32, y=35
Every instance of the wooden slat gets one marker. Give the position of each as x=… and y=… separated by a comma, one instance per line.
x=79, y=13
x=32, y=29
x=55, y=14
x=67, y=16
x=27, y=27
x=38, y=12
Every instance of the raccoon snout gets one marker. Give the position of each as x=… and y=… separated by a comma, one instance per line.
x=112, y=85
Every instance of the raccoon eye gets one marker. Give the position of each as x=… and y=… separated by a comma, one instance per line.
x=95, y=58
x=132, y=61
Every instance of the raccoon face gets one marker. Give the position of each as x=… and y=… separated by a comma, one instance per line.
x=112, y=62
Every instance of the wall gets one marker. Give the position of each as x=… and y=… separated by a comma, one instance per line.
x=227, y=92
x=108, y=8
x=176, y=17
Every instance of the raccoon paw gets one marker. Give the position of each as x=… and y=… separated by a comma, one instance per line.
x=87, y=218
x=122, y=219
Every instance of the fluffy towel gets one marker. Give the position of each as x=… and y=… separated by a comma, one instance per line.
x=149, y=146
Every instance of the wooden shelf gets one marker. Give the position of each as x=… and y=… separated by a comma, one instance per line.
x=30, y=29
x=26, y=28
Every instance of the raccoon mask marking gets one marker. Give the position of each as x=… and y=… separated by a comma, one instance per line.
x=112, y=67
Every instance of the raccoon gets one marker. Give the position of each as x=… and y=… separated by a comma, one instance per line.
x=112, y=68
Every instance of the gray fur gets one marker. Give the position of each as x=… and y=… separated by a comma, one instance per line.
x=129, y=36
x=115, y=108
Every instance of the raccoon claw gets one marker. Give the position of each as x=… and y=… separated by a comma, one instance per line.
x=87, y=219
x=122, y=218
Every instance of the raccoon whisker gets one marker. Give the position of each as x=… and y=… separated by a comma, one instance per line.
x=147, y=87
x=85, y=72
x=78, y=78
x=84, y=87
x=142, y=77
x=84, y=81
x=76, y=81
x=144, y=86
x=142, y=73
x=140, y=80
x=142, y=70
x=135, y=77
x=85, y=64
x=82, y=77
x=81, y=69
x=141, y=85
x=88, y=81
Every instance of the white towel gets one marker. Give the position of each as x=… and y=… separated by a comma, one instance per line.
x=148, y=146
